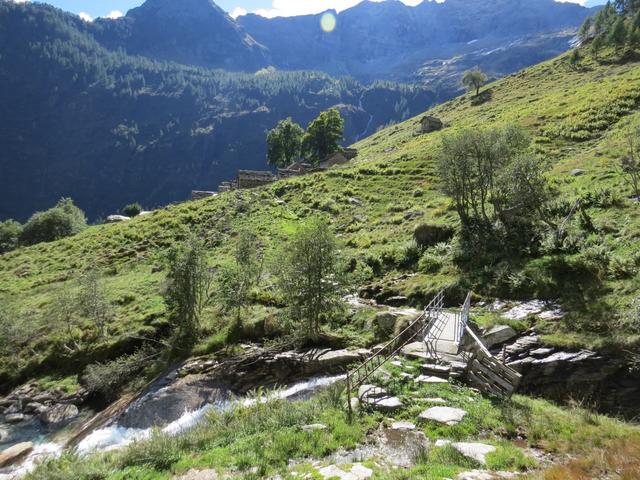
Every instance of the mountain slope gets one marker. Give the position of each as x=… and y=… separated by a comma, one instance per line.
x=577, y=117
x=108, y=128
x=195, y=32
x=391, y=40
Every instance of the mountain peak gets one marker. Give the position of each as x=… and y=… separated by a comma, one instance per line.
x=181, y=8
x=196, y=32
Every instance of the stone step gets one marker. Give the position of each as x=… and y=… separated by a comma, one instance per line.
x=436, y=370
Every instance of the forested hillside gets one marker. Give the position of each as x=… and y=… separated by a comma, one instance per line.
x=108, y=128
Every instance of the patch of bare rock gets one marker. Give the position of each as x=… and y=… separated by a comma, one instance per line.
x=443, y=415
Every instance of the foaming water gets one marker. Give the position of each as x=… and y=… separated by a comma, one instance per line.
x=39, y=453
x=115, y=436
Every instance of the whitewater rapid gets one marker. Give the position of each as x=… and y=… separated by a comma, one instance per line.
x=115, y=436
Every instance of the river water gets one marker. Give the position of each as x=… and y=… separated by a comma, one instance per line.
x=115, y=436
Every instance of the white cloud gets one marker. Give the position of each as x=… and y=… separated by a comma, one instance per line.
x=288, y=8
x=238, y=12
x=85, y=16
x=113, y=14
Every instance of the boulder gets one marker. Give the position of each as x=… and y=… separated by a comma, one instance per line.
x=475, y=451
x=15, y=417
x=498, y=335
x=445, y=415
x=34, y=407
x=577, y=172
x=329, y=359
x=384, y=324
x=58, y=414
x=397, y=301
x=163, y=406
x=15, y=453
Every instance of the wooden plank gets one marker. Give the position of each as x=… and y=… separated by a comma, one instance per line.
x=490, y=374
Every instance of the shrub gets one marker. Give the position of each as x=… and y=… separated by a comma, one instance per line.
x=189, y=290
x=132, y=210
x=429, y=263
x=10, y=231
x=63, y=220
x=107, y=378
x=427, y=235
x=411, y=254
x=310, y=276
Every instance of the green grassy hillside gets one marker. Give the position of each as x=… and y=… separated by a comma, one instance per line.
x=577, y=116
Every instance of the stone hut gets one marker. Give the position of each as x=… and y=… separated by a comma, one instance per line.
x=350, y=153
x=332, y=160
x=295, y=169
x=254, y=178
x=430, y=124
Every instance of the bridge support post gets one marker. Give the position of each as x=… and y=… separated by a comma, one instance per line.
x=349, y=406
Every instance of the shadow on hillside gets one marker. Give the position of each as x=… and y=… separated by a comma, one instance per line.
x=483, y=97
x=628, y=56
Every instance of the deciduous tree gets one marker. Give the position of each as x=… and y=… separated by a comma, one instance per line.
x=284, y=143
x=189, y=290
x=474, y=79
x=310, y=277
x=323, y=135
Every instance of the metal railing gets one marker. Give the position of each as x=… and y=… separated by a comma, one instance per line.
x=462, y=318
x=422, y=324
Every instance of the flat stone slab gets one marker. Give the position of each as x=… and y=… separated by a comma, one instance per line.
x=200, y=475
x=475, y=451
x=430, y=379
x=313, y=427
x=403, y=426
x=13, y=454
x=434, y=369
x=384, y=404
x=434, y=400
x=356, y=472
x=485, y=475
x=371, y=391
x=445, y=415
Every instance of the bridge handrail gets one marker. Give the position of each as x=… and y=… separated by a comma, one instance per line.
x=437, y=300
x=462, y=319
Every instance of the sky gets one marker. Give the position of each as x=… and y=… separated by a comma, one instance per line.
x=89, y=9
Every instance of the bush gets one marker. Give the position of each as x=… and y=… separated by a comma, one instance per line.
x=429, y=263
x=10, y=231
x=427, y=235
x=63, y=220
x=411, y=254
x=107, y=378
x=132, y=210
